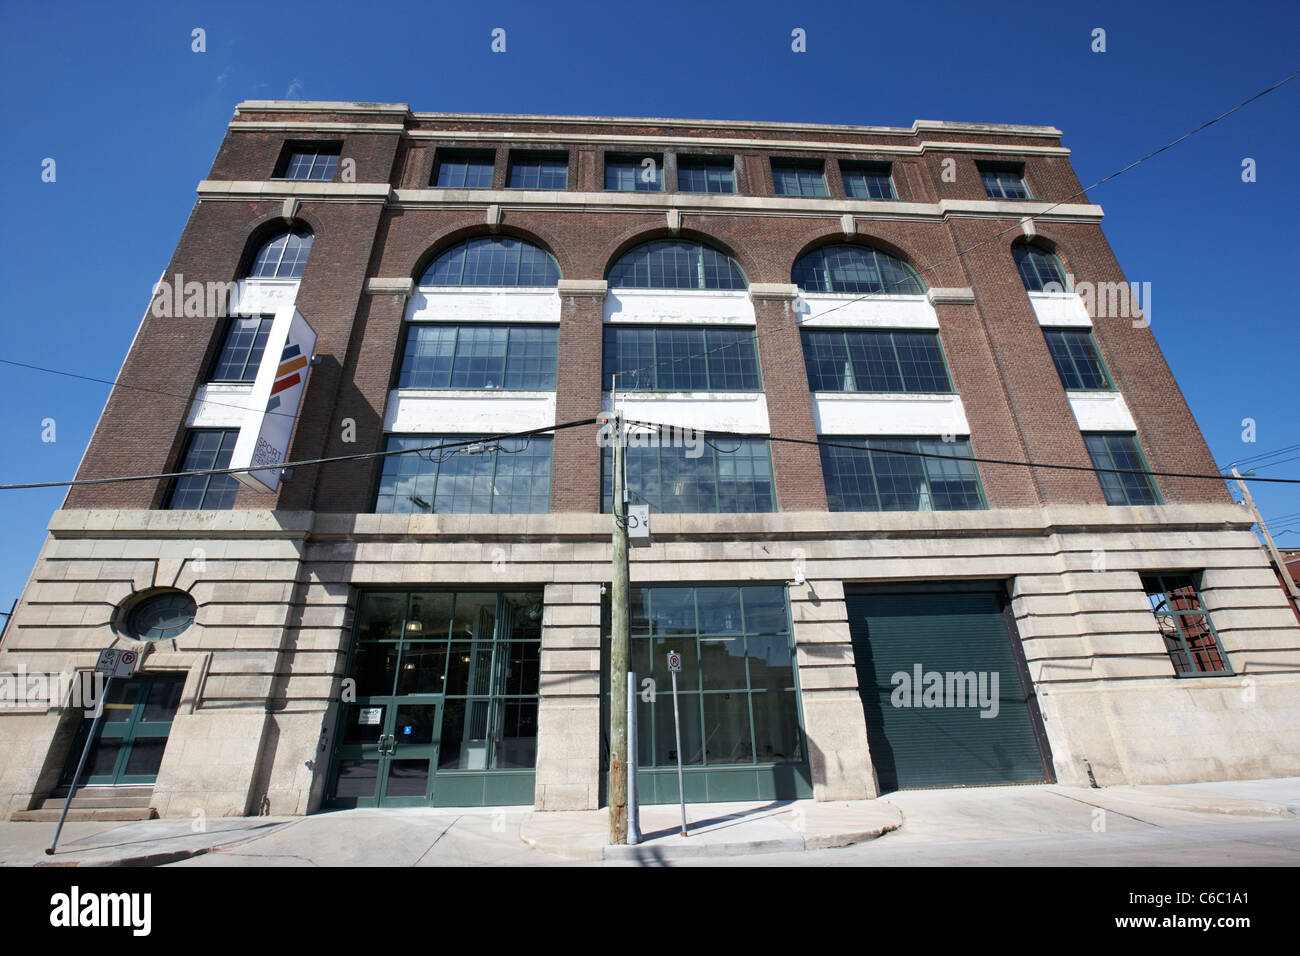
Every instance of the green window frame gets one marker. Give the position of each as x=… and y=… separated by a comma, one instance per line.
x=706, y=174
x=694, y=358
x=676, y=264
x=846, y=269
x=493, y=262
x=1190, y=638
x=241, y=349
x=310, y=161
x=464, y=169
x=205, y=449
x=874, y=361
x=479, y=356
x=699, y=476
x=799, y=177
x=626, y=173
x=1038, y=268
x=1120, y=450
x=538, y=170
x=866, y=477
x=1004, y=181
x=1078, y=360
x=867, y=180
x=503, y=476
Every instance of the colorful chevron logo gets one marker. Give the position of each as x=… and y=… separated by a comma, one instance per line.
x=288, y=374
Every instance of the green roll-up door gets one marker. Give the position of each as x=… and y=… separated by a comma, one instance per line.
x=929, y=732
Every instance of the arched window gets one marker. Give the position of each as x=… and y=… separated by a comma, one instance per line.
x=1038, y=267
x=675, y=264
x=855, y=270
x=283, y=256
x=493, y=261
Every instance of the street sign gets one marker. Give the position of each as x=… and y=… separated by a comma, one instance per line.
x=114, y=662
x=674, y=662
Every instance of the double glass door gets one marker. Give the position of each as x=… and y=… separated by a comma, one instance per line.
x=132, y=734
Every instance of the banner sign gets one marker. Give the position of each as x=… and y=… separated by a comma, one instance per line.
x=277, y=394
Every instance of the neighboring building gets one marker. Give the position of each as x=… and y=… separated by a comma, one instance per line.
x=859, y=616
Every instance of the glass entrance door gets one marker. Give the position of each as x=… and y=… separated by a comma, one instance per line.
x=132, y=734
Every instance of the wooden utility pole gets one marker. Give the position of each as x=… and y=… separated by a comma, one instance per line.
x=1287, y=583
x=619, y=651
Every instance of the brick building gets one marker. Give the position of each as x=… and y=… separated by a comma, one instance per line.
x=850, y=314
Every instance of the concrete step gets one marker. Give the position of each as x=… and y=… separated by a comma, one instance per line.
x=51, y=815
x=80, y=802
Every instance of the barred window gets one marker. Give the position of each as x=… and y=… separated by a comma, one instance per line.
x=1003, y=181
x=519, y=357
x=860, y=361
x=640, y=173
x=867, y=181
x=241, y=352
x=698, y=174
x=505, y=476
x=464, y=169
x=793, y=177
x=703, y=475
x=1038, y=268
x=538, y=171
x=206, y=449
x=675, y=264
x=1190, y=638
x=493, y=261
x=681, y=359
x=1077, y=360
x=867, y=477
x=855, y=270
x=283, y=257
x=1117, y=450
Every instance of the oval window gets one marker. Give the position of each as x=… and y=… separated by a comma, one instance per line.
x=161, y=617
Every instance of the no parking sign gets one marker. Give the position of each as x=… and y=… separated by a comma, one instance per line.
x=674, y=662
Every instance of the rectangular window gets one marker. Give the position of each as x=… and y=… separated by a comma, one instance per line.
x=698, y=174
x=867, y=181
x=1190, y=638
x=1077, y=360
x=310, y=161
x=853, y=361
x=737, y=697
x=539, y=171
x=634, y=173
x=464, y=169
x=867, y=477
x=242, y=350
x=1118, y=450
x=677, y=359
x=205, y=449
x=1004, y=182
x=695, y=476
x=518, y=357
x=507, y=476
x=794, y=177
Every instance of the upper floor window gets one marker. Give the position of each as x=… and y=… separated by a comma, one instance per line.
x=242, y=350
x=867, y=181
x=798, y=177
x=479, y=356
x=1039, y=269
x=855, y=270
x=206, y=449
x=283, y=257
x=634, y=173
x=1122, y=484
x=846, y=360
x=310, y=161
x=681, y=359
x=1004, y=181
x=493, y=261
x=1077, y=360
x=538, y=171
x=930, y=475
x=703, y=476
x=464, y=169
x=706, y=174
x=1190, y=638
x=675, y=264
x=505, y=476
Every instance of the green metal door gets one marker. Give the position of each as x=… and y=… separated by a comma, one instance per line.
x=132, y=735
x=946, y=697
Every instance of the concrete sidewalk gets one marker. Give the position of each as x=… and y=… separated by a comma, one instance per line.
x=519, y=836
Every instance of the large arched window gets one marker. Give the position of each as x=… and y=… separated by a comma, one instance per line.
x=1038, y=268
x=283, y=256
x=855, y=270
x=493, y=261
x=675, y=264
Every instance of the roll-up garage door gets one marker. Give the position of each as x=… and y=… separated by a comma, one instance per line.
x=947, y=700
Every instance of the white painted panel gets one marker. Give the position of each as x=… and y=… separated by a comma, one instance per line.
x=263, y=296
x=1101, y=412
x=674, y=306
x=880, y=312
x=220, y=406
x=1059, y=308
x=483, y=305
x=423, y=410
x=709, y=411
x=847, y=414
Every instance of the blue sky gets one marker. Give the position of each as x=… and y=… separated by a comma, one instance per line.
x=133, y=117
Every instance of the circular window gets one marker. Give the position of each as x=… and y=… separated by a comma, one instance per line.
x=160, y=617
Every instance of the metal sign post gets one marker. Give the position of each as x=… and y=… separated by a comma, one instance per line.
x=633, y=803
x=111, y=663
x=674, y=668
